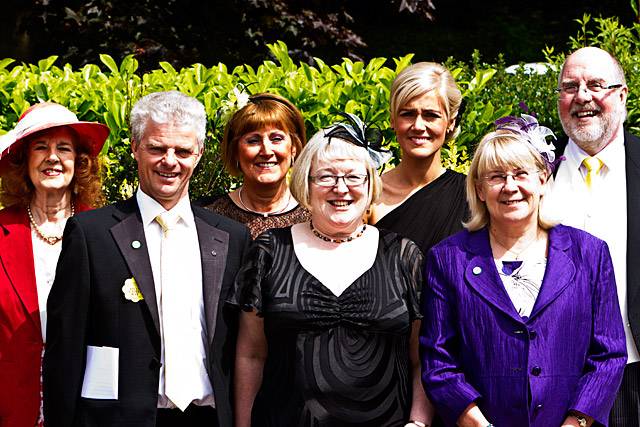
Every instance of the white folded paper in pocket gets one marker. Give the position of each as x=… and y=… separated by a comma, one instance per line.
x=101, y=373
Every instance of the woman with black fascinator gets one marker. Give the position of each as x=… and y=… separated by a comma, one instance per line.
x=328, y=333
x=421, y=199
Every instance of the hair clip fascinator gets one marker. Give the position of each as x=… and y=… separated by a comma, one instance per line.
x=358, y=133
x=534, y=134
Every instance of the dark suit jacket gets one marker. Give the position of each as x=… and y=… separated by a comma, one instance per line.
x=569, y=354
x=632, y=165
x=20, y=334
x=87, y=307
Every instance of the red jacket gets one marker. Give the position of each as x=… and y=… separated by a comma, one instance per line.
x=20, y=334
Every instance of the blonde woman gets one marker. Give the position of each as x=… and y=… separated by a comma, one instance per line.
x=421, y=199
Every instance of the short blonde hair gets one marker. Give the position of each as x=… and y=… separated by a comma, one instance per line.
x=320, y=148
x=502, y=149
x=423, y=77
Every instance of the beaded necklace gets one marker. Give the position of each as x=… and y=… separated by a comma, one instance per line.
x=52, y=240
x=332, y=240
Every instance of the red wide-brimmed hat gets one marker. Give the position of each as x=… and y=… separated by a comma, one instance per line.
x=49, y=115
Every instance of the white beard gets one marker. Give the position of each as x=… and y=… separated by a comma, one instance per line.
x=598, y=135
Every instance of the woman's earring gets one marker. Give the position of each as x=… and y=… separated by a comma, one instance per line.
x=293, y=160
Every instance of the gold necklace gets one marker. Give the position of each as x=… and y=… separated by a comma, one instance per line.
x=52, y=240
x=520, y=252
x=331, y=239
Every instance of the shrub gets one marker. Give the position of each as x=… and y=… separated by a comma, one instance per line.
x=106, y=94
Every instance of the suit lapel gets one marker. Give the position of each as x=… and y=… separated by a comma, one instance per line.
x=632, y=166
x=214, y=245
x=129, y=236
x=16, y=257
x=559, y=272
x=481, y=274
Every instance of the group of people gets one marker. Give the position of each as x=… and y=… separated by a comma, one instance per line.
x=319, y=293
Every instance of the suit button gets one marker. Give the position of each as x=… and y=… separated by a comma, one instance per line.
x=536, y=370
x=533, y=334
x=538, y=406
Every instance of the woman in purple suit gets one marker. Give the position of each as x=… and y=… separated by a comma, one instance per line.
x=522, y=325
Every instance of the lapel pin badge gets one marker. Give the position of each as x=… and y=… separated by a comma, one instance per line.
x=214, y=253
x=477, y=270
x=131, y=291
x=136, y=244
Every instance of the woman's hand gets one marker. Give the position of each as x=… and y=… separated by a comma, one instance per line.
x=421, y=409
x=572, y=420
x=472, y=417
x=251, y=352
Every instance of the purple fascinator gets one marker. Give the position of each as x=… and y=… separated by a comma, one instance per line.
x=534, y=133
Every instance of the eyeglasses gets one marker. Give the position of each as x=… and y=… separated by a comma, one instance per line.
x=571, y=88
x=160, y=151
x=499, y=178
x=350, y=180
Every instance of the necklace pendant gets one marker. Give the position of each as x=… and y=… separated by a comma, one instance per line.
x=52, y=240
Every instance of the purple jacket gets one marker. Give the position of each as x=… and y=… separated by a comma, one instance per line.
x=569, y=354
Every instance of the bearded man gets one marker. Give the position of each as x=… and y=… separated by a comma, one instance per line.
x=597, y=189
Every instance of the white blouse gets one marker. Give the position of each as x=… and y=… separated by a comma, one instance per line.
x=45, y=259
x=522, y=281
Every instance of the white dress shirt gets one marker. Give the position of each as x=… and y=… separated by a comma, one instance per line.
x=191, y=265
x=602, y=210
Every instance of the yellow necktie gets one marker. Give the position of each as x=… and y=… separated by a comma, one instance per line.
x=593, y=165
x=179, y=371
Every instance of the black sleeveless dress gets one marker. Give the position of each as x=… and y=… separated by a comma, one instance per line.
x=432, y=213
x=333, y=360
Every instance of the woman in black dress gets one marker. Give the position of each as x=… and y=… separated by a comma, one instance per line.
x=421, y=199
x=328, y=336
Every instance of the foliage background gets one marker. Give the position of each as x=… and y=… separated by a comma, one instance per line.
x=106, y=92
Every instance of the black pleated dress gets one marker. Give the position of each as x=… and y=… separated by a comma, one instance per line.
x=333, y=360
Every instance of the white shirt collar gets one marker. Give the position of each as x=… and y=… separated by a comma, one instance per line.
x=612, y=156
x=150, y=209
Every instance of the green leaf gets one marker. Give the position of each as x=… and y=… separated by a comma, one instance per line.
x=5, y=62
x=168, y=68
x=109, y=62
x=45, y=64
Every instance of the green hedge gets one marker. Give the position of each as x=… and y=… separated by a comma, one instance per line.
x=106, y=94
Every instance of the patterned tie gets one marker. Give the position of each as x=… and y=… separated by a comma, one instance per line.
x=593, y=165
x=179, y=372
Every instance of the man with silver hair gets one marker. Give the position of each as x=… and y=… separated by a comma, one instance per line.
x=137, y=334
x=597, y=189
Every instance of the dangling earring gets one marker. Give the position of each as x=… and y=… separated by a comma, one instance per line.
x=293, y=160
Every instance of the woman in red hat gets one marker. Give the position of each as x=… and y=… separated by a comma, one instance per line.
x=49, y=171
